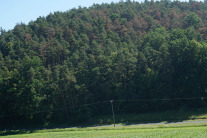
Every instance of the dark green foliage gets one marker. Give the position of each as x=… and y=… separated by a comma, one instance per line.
x=128, y=50
x=192, y=20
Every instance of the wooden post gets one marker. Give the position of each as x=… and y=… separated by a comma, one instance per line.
x=112, y=107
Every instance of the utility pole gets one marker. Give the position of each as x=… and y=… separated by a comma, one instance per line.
x=112, y=107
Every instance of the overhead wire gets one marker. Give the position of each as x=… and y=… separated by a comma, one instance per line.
x=107, y=101
x=57, y=109
x=166, y=99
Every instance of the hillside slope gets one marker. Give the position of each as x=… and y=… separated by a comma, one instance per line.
x=120, y=51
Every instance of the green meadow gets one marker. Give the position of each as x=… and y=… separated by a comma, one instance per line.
x=155, y=131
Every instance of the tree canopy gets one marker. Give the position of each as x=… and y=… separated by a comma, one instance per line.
x=126, y=50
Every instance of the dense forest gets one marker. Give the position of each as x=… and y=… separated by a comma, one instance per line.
x=119, y=51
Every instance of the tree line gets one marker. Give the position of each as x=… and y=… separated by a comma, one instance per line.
x=126, y=50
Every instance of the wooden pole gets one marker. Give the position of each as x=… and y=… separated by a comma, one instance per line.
x=112, y=107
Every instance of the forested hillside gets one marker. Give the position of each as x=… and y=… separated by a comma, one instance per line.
x=118, y=51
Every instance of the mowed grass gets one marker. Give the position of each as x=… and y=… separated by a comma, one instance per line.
x=155, y=131
x=154, y=117
x=125, y=130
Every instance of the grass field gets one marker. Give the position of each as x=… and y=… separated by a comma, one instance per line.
x=124, y=129
x=150, y=117
x=155, y=131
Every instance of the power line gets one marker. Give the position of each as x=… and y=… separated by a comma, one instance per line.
x=166, y=99
x=95, y=103
x=57, y=109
